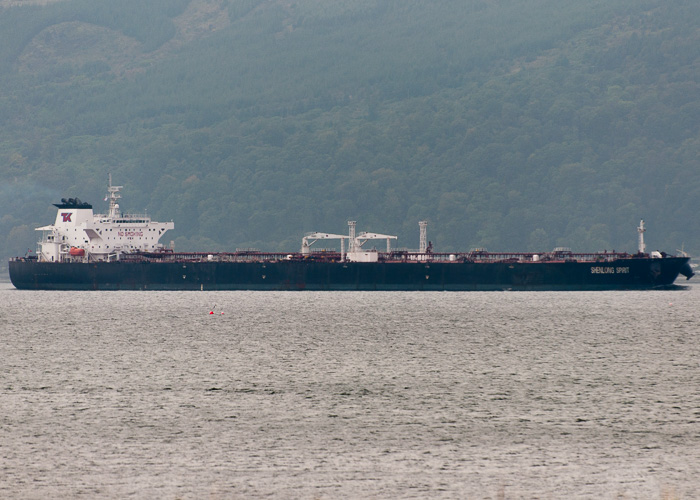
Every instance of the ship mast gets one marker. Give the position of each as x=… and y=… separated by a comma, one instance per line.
x=351, y=229
x=113, y=197
x=423, y=225
x=641, y=232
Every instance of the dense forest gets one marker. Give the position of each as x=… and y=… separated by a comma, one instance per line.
x=507, y=124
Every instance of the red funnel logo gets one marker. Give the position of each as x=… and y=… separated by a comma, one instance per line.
x=66, y=216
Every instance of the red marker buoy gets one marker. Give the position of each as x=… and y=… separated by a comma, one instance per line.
x=211, y=312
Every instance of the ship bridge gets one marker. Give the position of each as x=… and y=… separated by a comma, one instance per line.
x=79, y=234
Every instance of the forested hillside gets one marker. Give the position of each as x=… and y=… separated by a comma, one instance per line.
x=508, y=124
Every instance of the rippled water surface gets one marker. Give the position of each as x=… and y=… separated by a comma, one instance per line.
x=349, y=394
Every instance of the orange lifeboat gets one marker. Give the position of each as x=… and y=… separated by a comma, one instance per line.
x=77, y=252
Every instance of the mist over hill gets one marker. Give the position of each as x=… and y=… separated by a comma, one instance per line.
x=511, y=125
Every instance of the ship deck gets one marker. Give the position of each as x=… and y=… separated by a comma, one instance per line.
x=391, y=257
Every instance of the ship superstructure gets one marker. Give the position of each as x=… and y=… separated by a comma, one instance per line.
x=79, y=235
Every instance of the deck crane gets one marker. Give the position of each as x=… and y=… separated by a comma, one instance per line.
x=312, y=238
x=362, y=238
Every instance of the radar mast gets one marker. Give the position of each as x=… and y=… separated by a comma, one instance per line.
x=113, y=194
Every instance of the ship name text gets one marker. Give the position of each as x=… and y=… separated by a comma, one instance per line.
x=130, y=234
x=609, y=270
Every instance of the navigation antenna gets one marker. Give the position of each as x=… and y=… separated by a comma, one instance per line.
x=113, y=193
x=641, y=232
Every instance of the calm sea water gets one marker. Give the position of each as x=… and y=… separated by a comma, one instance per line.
x=349, y=395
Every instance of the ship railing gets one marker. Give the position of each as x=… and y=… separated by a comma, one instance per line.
x=394, y=256
x=127, y=218
x=239, y=256
x=26, y=258
x=559, y=256
x=506, y=257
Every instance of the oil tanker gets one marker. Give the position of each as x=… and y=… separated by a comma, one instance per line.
x=116, y=251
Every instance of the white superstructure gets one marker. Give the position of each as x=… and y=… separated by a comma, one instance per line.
x=79, y=234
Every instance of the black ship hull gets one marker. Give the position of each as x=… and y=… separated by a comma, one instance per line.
x=621, y=274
